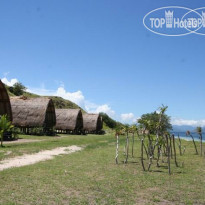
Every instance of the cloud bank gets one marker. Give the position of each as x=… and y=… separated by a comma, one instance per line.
x=128, y=118
x=183, y=122
x=9, y=83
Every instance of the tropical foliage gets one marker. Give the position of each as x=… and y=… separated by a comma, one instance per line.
x=150, y=121
x=5, y=126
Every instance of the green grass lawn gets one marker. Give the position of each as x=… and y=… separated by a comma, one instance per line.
x=92, y=177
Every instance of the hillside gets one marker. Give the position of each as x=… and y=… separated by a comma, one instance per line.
x=109, y=122
x=59, y=102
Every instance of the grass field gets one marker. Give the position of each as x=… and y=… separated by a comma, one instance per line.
x=92, y=177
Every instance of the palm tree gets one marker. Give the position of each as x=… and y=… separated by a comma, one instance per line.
x=5, y=126
x=199, y=131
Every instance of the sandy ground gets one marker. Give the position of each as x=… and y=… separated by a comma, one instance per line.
x=21, y=141
x=29, y=159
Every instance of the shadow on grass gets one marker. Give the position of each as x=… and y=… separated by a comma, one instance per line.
x=160, y=171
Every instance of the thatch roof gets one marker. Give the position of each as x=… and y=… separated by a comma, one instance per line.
x=92, y=122
x=69, y=119
x=5, y=106
x=33, y=112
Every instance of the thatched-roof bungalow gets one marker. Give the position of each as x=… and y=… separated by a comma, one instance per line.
x=92, y=123
x=5, y=106
x=69, y=121
x=33, y=113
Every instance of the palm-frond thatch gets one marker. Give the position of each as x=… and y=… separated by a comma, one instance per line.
x=92, y=123
x=69, y=120
x=33, y=112
x=5, y=106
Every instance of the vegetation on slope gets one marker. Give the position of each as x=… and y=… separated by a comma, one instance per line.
x=113, y=124
x=59, y=102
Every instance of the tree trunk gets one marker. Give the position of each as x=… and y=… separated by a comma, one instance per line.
x=171, y=153
x=142, y=157
x=2, y=136
x=194, y=144
x=175, y=156
x=133, y=141
x=145, y=149
x=150, y=162
x=151, y=154
x=184, y=150
x=150, y=146
x=158, y=154
x=127, y=149
x=201, y=144
x=180, y=146
x=168, y=155
x=117, y=149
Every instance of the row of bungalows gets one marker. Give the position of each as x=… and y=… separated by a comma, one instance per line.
x=74, y=122
x=33, y=113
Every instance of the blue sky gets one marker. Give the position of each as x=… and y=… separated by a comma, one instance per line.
x=99, y=54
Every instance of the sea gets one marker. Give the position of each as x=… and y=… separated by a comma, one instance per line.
x=188, y=138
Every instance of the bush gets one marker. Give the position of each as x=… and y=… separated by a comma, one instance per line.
x=15, y=133
x=37, y=131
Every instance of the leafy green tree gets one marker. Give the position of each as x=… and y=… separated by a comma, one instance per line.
x=17, y=89
x=5, y=126
x=152, y=121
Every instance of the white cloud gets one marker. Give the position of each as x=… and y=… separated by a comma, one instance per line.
x=92, y=108
x=128, y=118
x=9, y=83
x=40, y=91
x=76, y=97
x=181, y=122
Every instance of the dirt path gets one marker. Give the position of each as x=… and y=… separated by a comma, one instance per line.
x=28, y=159
x=21, y=141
